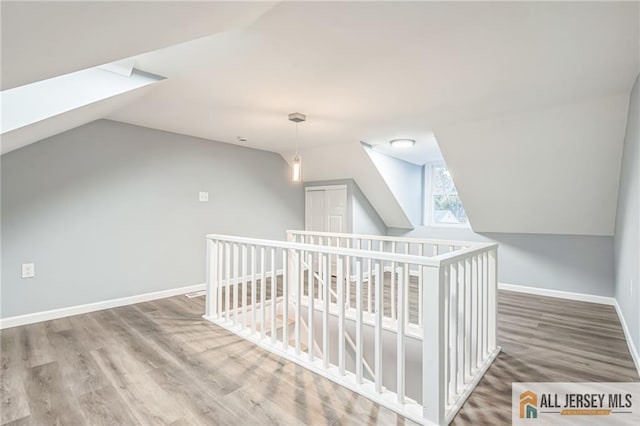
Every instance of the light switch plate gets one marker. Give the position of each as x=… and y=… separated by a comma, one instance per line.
x=28, y=270
x=204, y=196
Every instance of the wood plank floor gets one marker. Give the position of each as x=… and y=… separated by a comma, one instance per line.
x=160, y=363
x=546, y=339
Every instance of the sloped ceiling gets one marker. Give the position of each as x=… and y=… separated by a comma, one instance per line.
x=59, y=123
x=374, y=71
x=551, y=171
x=44, y=39
x=482, y=76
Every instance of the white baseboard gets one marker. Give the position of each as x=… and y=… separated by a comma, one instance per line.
x=582, y=297
x=92, y=307
x=632, y=349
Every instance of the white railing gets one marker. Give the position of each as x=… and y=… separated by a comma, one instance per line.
x=403, y=245
x=335, y=308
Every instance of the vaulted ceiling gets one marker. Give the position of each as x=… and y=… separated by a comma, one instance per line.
x=527, y=100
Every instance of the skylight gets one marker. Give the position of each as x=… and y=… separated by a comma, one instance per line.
x=31, y=103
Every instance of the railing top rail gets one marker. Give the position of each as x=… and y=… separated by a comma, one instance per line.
x=377, y=255
x=454, y=256
x=388, y=238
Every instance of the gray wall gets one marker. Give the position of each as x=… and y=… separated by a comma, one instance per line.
x=110, y=210
x=581, y=264
x=627, y=233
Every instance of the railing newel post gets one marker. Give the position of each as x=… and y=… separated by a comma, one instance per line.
x=434, y=396
x=212, y=279
x=493, y=299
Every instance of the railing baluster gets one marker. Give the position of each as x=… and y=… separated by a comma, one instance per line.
x=378, y=328
x=221, y=255
x=474, y=313
x=453, y=333
x=485, y=279
x=481, y=328
x=286, y=276
x=392, y=283
x=244, y=286
x=461, y=324
x=253, y=289
x=274, y=291
x=400, y=358
x=420, y=285
x=235, y=280
x=227, y=284
x=359, y=320
x=407, y=281
x=320, y=272
x=325, y=312
x=340, y=285
x=446, y=325
x=348, y=274
x=467, y=323
x=311, y=309
x=263, y=292
x=298, y=286
x=369, y=280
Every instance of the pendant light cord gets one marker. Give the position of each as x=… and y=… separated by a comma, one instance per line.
x=296, y=140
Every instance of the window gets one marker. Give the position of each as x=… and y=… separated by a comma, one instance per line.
x=444, y=207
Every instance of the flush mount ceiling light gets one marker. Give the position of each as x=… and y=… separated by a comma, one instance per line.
x=402, y=143
x=297, y=117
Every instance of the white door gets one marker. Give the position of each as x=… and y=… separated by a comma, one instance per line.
x=326, y=209
x=315, y=211
x=336, y=210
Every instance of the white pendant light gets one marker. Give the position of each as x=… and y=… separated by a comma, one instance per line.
x=297, y=170
x=296, y=177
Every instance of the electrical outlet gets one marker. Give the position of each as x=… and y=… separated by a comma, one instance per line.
x=203, y=196
x=28, y=270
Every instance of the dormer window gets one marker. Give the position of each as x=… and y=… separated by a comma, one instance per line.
x=443, y=204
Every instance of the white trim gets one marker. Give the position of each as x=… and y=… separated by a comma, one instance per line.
x=323, y=187
x=582, y=297
x=92, y=307
x=632, y=349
